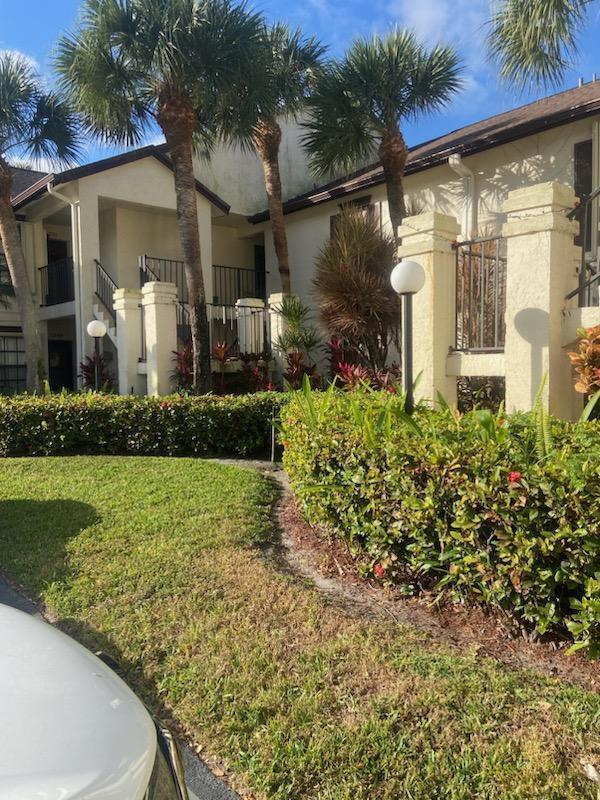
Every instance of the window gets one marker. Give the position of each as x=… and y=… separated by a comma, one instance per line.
x=12, y=363
x=583, y=186
x=361, y=205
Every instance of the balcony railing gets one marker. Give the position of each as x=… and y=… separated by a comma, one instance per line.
x=56, y=282
x=167, y=270
x=481, y=294
x=232, y=283
x=105, y=289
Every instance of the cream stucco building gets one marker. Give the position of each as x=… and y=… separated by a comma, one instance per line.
x=95, y=235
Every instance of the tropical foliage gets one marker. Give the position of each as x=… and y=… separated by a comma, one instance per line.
x=352, y=286
x=34, y=123
x=534, y=41
x=136, y=64
x=297, y=342
x=499, y=509
x=586, y=360
x=277, y=86
x=361, y=101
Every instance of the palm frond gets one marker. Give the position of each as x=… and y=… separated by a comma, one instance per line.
x=534, y=41
x=379, y=83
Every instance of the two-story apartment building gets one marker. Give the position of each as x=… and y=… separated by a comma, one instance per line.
x=112, y=224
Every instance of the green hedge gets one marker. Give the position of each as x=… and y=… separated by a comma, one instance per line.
x=493, y=509
x=109, y=424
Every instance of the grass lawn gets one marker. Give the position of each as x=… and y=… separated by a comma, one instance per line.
x=158, y=562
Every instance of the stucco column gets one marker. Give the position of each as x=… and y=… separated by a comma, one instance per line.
x=160, y=322
x=427, y=239
x=540, y=254
x=127, y=303
x=251, y=328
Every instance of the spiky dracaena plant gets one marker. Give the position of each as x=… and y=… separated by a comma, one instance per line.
x=534, y=41
x=36, y=124
x=360, y=103
x=278, y=85
x=352, y=287
x=135, y=64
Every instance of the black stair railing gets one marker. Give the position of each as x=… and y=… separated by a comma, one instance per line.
x=105, y=289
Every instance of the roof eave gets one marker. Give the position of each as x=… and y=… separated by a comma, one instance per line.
x=315, y=198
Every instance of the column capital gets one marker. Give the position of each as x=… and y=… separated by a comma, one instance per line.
x=539, y=208
x=158, y=293
x=426, y=233
x=126, y=298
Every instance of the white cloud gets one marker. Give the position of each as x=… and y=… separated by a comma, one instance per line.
x=459, y=22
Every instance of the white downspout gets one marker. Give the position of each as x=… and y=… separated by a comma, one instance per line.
x=470, y=217
x=76, y=247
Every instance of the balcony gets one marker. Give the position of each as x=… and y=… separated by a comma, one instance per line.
x=56, y=282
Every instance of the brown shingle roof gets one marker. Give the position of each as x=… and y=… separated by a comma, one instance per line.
x=23, y=178
x=550, y=112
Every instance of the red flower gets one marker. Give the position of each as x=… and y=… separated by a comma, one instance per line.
x=514, y=477
x=379, y=571
x=165, y=405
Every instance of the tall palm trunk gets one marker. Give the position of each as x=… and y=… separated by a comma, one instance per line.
x=393, y=154
x=267, y=139
x=178, y=123
x=19, y=275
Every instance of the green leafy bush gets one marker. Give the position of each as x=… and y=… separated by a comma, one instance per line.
x=462, y=505
x=109, y=424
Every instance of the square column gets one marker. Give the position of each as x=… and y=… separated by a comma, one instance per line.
x=128, y=309
x=427, y=239
x=160, y=324
x=540, y=257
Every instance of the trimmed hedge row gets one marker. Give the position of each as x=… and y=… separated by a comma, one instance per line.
x=463, y=506
x=109, y=424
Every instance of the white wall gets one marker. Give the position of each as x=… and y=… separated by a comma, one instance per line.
x=545, y=157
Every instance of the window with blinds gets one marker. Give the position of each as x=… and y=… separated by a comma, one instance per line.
x=361, y=205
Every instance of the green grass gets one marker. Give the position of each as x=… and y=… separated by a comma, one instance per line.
x=158, y=561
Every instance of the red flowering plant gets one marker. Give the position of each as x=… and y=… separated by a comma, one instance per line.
x=183, y=373
x=88, y=373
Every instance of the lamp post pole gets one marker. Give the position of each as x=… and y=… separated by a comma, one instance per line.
x=407, y=350
x=96, y=329
x=407, y=279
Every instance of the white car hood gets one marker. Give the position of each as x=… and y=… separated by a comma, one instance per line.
x=69, y=727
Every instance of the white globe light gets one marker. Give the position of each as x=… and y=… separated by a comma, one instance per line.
x=96, y=329
x=408, y=277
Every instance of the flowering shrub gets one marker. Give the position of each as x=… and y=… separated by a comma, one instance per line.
x=461, y=505
x=129, y=425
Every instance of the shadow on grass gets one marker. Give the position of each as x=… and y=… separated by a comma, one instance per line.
x=34, y=535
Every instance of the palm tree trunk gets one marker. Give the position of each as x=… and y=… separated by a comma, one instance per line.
x=267, y=139
x=178, y=124
x=19, y=275
x=393, y=154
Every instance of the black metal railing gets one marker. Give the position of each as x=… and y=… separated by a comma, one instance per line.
x=587, y=291
x=105, y=289
x=167, y=270
x=230, y=284
x=481, y=294
x=56, y=282
x=244, y=329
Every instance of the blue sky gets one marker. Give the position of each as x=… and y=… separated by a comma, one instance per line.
x=32, y=27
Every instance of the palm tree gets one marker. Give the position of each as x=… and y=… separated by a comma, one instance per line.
x=360, y=102
x=284, y=66
x=533, y=41
x=34, y=123
x=135, y=64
